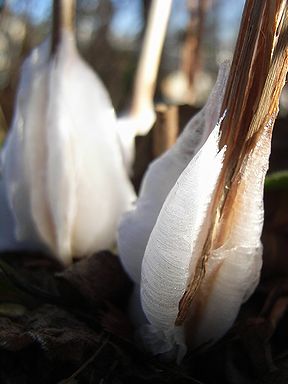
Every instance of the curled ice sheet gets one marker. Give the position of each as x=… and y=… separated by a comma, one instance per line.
x=136, y=225
x=231, y=271
x=62, y=164
x=177, y=238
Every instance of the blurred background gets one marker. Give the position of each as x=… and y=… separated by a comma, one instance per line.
x=201, y=34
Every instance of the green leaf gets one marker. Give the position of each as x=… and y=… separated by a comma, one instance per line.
x=277, y=181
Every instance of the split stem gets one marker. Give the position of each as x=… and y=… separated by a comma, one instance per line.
x=256, y=79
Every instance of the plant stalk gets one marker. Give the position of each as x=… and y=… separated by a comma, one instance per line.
x=63, y=18
x=251, y=102
x=148, y=65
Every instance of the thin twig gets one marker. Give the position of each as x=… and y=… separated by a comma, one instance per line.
x=87, y=362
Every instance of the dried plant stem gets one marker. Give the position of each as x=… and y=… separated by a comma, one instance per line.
x=256, y=79
x=3, y=122
x=166, y=128
x=63, y=18
x=194, y=36
x=145, y=80
x=269, y=63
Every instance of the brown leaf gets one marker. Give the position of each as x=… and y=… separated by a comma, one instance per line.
x=57, y=333
x=99, y=279
x=13, y=336
x=116, y=322
x=274, y=236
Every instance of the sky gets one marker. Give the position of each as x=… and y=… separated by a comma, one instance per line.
x=127, y=19
x=38, y=10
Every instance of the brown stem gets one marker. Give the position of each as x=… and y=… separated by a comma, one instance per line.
x=63, y=18
x=260, y=93
x=255, y=82
x=194, y=36
x=166, y=128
